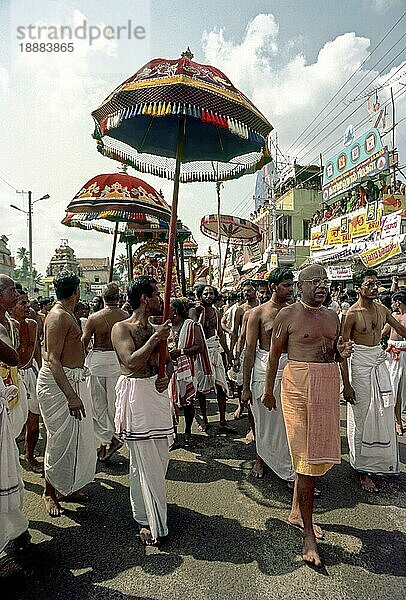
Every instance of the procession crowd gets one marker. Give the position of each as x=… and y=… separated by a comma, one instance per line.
x=289, y=352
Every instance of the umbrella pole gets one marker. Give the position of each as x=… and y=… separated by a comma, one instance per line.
x=172, y=238
x=182, y=267
x=218, y=185
x=113, y=252
x=129, y=262
x=224, y=264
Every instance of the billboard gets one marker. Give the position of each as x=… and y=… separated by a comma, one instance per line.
x=365, y=157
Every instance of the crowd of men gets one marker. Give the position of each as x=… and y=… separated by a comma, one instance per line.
x=121, y=375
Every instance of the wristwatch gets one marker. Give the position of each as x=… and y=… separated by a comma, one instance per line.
x=182, y=352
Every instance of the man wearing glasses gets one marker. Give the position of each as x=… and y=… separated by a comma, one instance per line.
x=309, y=333
x=367, y=386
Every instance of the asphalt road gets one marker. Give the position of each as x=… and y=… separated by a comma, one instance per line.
x=228, y=535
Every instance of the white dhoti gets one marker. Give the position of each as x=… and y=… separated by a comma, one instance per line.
x=18, y=415
x=144, y=420
x=29, y=377
x=12, y=520
x=216, y=361
x=370, y=420
x=397, y=369
x=240, y=373
x=70, y=454
x=270, y=432
x=104, y=373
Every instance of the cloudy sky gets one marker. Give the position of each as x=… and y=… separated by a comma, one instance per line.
x=307, y=64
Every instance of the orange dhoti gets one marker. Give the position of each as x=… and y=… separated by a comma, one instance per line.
x=311, y=408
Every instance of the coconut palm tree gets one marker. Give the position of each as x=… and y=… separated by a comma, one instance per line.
x=121, y=265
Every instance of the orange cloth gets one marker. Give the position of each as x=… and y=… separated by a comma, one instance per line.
x=311, y=409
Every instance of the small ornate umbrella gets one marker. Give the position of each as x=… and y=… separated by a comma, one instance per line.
x=184, y=121
x=118, y=198
x=232, y=230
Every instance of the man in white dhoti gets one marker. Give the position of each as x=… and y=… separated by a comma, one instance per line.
x=208, y=316
x=13, y=523
x=70, y=454
x=397, y=359
x=270, y=433
x=104, y=369
x=29, y=352
x=143, y=409
x=367, y=389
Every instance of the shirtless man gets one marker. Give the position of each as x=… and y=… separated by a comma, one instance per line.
x=309, y=333
x=397, y=358
x=248, y=290
x=363, y=325
x=144, y=410
x=207, y=315
x=28, y=369
x=270, y=434
x=45, y=306
x=104, y=369
x=70, y=457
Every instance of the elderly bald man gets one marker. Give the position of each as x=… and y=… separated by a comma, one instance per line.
x=310, y=334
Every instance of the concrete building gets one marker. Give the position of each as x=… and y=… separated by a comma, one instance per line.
x=7, y=262
x=95, y=274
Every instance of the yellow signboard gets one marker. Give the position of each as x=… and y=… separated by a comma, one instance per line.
x=373, y=257
x=343, y=230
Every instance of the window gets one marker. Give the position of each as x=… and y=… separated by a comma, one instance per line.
x=306, y=229
x=284, y=227
x=97, y=279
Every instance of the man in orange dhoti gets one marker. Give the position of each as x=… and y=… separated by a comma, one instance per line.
x=309, y=333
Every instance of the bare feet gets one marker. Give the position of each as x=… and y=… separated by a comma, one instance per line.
x=367, y=484
x=204, y=427
x=290, y=485
x=78, y=497
x=238, y=412
x=310, y=553
x=296, y=521
x=258, y=468
x=101, y=452
x=226, y=428
x=52, y=506
x=34, y=465
x=174, y=446
x=146, y=537
x=399, y=428
x=188, y=439
x=114, y=446
x=250, y=437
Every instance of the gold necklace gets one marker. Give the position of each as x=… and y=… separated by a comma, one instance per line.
x=314, y=308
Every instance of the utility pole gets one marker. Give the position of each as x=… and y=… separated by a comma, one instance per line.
x=29, y=216
x=393, y=138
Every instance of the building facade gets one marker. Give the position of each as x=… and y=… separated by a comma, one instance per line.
x=7, y=262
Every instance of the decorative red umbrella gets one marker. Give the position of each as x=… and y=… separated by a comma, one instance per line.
x=184, y=121
x=232, y=230
x=121, y=199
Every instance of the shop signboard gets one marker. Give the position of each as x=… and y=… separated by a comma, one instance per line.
x=339, y=273
x=390, y=225
x=343, y=230
x=379, y=254
x=364, y=157
x=393, y=202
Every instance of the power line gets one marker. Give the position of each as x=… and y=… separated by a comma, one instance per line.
x=9, y=184
x=348, y=80
x=344, y=109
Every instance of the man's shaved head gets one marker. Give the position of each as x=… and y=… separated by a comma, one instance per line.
x=312, y=271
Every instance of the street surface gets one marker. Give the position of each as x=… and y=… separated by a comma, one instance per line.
x=228, y=534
